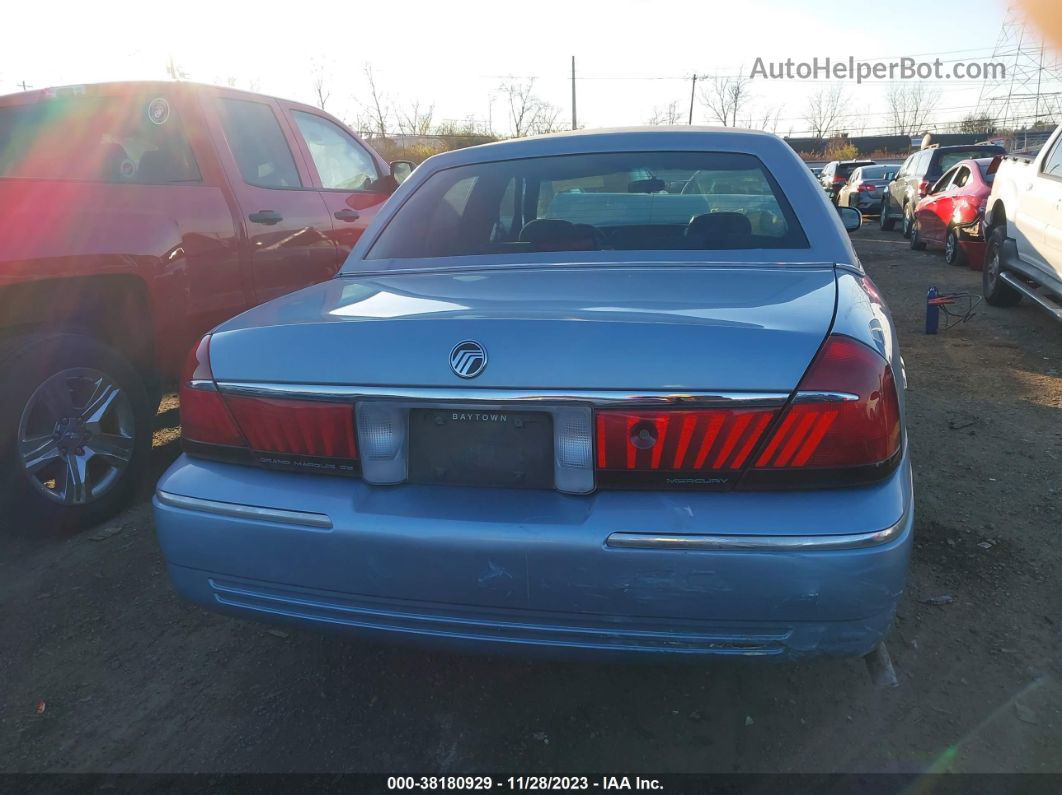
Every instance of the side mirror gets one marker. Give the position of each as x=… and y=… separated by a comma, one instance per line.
x=850, y=217
x=401, y=169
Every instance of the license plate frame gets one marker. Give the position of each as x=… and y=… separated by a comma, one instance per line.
x=496, y=448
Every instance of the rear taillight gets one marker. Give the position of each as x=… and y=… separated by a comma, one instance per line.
x=296, y=427
x=923, y=187
x=676, y=447
x=839, y=181
x=293, y=434
x=865, y=187
x=842, y=427
x=204, y=417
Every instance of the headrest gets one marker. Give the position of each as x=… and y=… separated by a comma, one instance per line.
x=715, y=228
x=555, y=234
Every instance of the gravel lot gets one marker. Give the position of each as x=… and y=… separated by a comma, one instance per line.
x=103, y=669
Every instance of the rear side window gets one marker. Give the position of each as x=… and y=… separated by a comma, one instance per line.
x=258, y=144
x=608, y=201
x=341, y=162
x=949, y=159
x=135, y=140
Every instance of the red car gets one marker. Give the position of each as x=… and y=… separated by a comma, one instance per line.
x=952, y=213
x=133, y=218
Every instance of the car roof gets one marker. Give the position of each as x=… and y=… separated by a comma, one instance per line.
x=618, y=139
x=122, y=87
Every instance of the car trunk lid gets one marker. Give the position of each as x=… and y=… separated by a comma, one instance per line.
x=685, y=327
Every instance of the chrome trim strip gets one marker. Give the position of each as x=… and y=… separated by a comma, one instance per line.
x=203, y=385
x=596, y=397
x=730, y=543
x=824, y=397
x=253, y=512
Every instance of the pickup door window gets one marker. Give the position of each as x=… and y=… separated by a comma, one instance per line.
x=288, y=242
x=347, y=174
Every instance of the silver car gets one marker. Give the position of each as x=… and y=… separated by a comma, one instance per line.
x=865, y=187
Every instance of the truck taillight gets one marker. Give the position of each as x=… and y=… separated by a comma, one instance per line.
x=843, y=426
x=677, y=447
x=292, y=429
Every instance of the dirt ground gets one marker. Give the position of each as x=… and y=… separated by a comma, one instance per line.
x=102, y=668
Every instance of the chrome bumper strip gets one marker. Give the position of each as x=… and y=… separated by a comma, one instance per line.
x=729, y=543
x=252, y=512
x=595, y=397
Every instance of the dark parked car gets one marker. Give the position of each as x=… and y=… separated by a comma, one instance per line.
x=865, y=188
x=836, y=173
x=918, y=173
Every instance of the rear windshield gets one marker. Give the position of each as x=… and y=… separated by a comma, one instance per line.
x=985, y=175
x=103, y=139
x=846, y=169
x=877, y=172
x=949, y=159
x=619, y=201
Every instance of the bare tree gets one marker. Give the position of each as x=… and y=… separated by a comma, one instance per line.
x=320, y=87
x=668, y=114
x=414, y=119
x=375, y=113
x=766, y=118
x=824, y=110
x=909, y=106
x=528, y=113
x=976, y=123
x=725, y=97
x=174, y=70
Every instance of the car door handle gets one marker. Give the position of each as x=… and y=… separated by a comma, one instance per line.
x=267, y=217
x=346, y=215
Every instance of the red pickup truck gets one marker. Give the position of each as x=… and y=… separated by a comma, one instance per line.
x=133, y=218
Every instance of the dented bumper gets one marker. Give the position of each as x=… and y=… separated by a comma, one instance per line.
x=614, y=573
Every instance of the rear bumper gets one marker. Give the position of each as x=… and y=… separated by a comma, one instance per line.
x=534, y=572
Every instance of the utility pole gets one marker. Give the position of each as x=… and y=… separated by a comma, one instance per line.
x=23, y=85
x=575, y=122
x=693, y=90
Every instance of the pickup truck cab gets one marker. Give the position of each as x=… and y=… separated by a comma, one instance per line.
x=1024, y=230
x=134, y=217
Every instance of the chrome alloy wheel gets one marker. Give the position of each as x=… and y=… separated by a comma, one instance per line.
x=949, y=248
x=76, y=435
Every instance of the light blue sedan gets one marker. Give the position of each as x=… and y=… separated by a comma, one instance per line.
x=621, y=393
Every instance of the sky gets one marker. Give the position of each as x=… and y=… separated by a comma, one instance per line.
x=632, y=56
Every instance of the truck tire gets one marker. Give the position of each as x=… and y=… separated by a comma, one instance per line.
x=953, y=254
x=996, y=291
x=886, y=221
x=75, y=431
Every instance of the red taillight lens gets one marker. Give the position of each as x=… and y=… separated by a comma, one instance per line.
x=204, y=417
x=839, y=180
x=821, y=431
x=296, y=427
x=865, y=187
x=287, y=427
x=923, y=187
x=678, y=441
